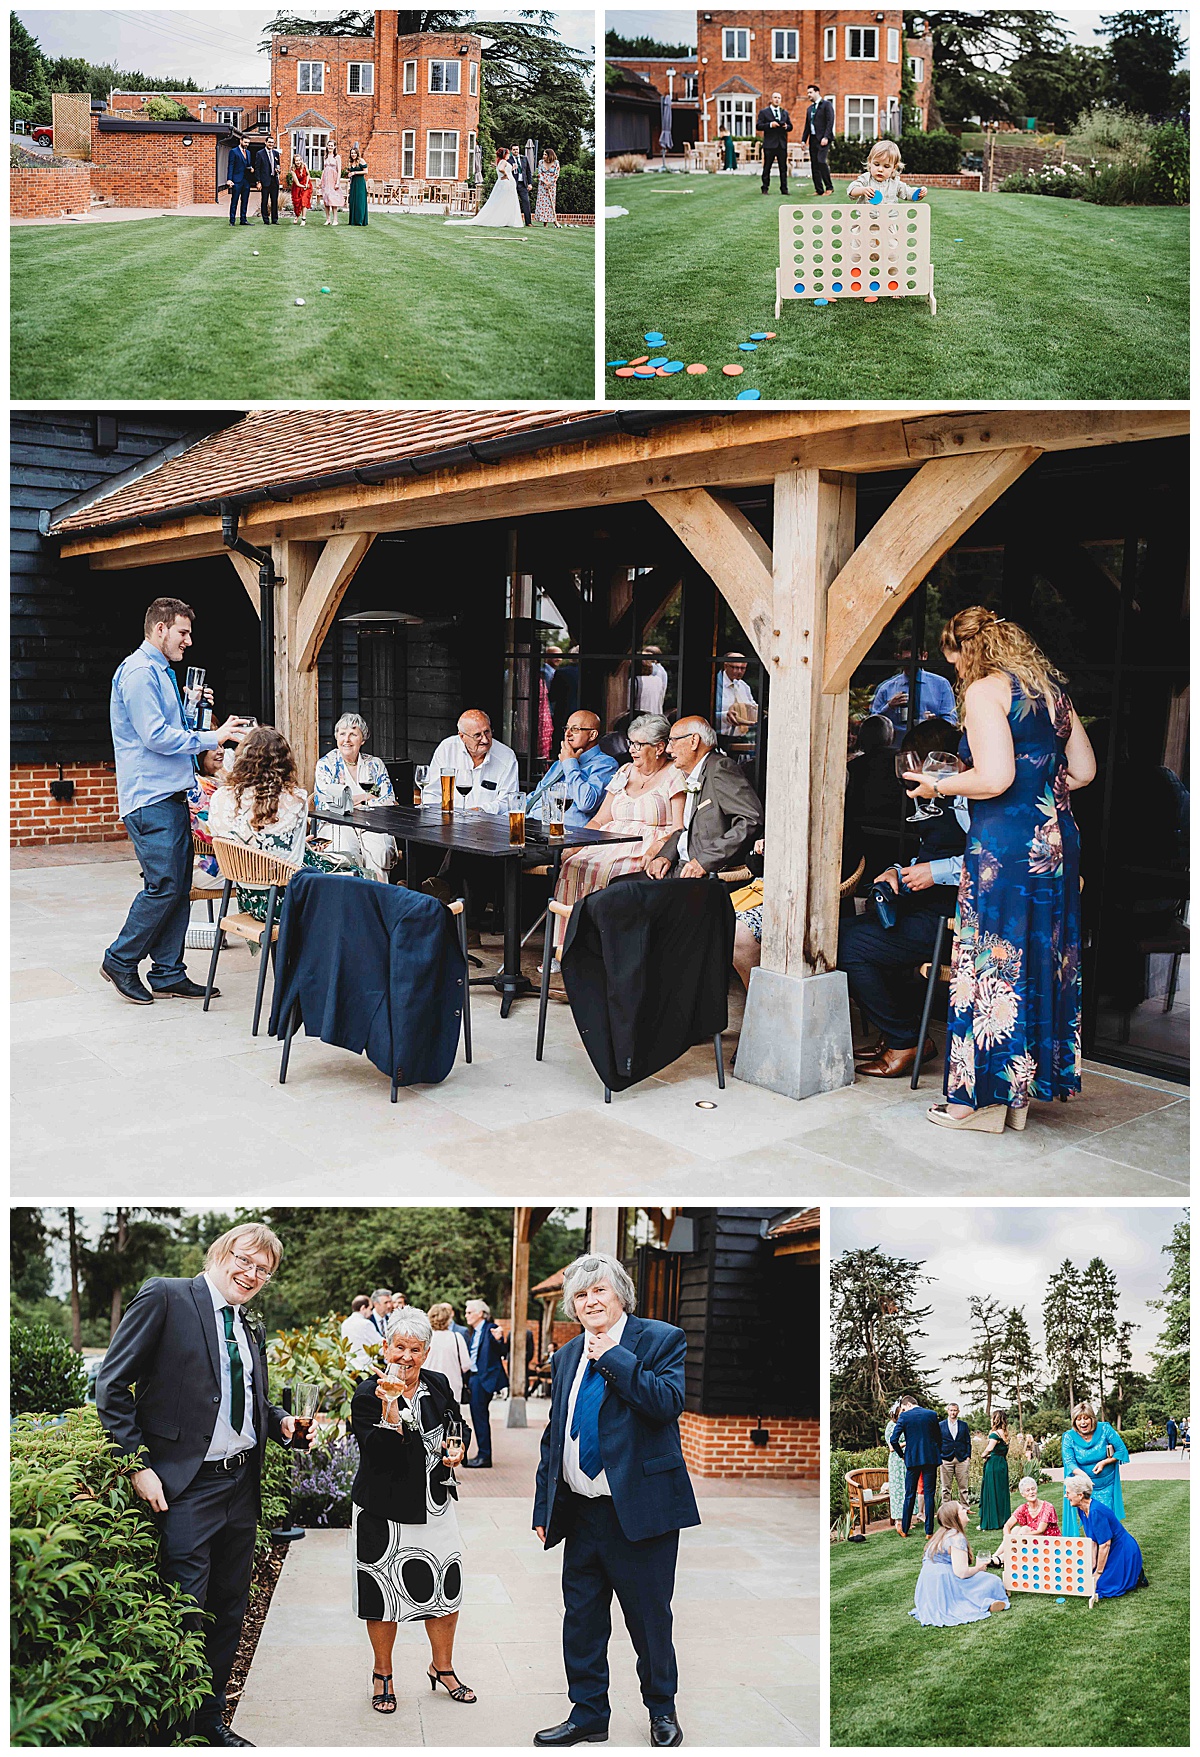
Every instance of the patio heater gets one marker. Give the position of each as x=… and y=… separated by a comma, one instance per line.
x=268, y=579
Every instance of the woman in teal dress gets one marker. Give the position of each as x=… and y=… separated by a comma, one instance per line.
x=995, y=1504
x=1116, y=1558
x=356, y=170
x=729, y=152
x=1096, y=1450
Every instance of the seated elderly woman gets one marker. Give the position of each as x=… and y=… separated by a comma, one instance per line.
x=348, y=770
x=405, y=1546
x=953, y=1587
x=1096, y=1449
x=1033, y=1514
x=1116, y=1559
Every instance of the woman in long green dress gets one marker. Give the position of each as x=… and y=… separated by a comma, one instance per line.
x=357, y=173
x=729, y=151
x=995, y=1504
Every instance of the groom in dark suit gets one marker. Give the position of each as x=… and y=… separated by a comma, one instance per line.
x=520, y=170
x=612, y=1483
x=182, y=1394
x=237, y=180
x=922, y=1454
x=819, y=125
x=774, y=124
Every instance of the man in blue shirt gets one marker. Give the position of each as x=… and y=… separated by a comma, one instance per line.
x=935, y=695
x=155, y=750
x=583, y=771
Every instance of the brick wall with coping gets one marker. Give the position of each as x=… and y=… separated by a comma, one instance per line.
x=36, y=818
x=50, y=192
x=143, y=169
x=720, y=1446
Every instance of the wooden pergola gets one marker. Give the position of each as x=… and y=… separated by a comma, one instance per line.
x=812, y=604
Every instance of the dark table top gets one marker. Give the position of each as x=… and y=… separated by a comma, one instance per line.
x=472, y=832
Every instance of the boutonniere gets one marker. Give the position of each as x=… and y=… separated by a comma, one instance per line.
x=408, y=1418
x=693, y=784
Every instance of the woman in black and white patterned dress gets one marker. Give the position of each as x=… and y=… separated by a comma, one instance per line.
x=406, y=1550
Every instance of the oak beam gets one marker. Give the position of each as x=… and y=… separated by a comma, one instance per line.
x=927, y=517
x=247, y=571
x=339, y=562
x=731, y=552
x=295, y=688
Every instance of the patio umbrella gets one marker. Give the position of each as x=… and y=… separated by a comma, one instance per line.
x=531, y=160
x=664, y=128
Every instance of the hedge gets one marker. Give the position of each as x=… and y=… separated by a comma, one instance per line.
x=46, y=1375
x=932, y=154
x=576, y=190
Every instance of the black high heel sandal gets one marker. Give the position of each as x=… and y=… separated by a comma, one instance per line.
x=385, y=1701
x=462, y=1694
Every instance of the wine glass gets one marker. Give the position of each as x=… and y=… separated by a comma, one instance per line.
x=906, y=764
x=939, y=764
x=420, y=776
x=452, y=1438
x=463, y=788
x=393, y=1387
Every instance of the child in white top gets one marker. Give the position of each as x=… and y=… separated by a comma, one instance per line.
x=879, y=181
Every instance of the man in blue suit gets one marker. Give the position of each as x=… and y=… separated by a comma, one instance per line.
x=1172, y=1433
x=956, y=1456
x=612, y=1483
x=237, y=180
x=266, y=169
x=488, y=1376
x=922, y=1453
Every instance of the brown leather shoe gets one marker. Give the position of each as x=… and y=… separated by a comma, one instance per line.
x=867, y=1052
x=893, y=1064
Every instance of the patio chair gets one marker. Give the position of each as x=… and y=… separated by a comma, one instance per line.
x=248, y=866
x=200, y=850
x=933, y=972
x=866, y=1491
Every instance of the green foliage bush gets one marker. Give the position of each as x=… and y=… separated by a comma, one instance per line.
x=875, y=1457
x=20, y=106
x=1052, y=1452
x=100, y=1655
x=576, y=190
x=166, y=110
x=1151, y=171
x=1169, y=164
x=45, y=1374
x=932, y=154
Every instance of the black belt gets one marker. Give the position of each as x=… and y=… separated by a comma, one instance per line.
x=225, y=1466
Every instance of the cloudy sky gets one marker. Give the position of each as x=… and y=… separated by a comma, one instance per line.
x=1010, y=1253
x=210, y=47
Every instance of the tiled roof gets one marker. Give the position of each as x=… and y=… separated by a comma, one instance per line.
x=284, y=452
x=807, y=1220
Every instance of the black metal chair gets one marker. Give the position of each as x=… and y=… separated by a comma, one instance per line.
x=933, y=972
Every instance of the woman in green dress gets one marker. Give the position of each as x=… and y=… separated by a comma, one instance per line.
x=995, y=1504
x=356, y=170
x=729, y=151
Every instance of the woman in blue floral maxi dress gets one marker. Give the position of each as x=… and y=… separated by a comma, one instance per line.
x=1015, y=986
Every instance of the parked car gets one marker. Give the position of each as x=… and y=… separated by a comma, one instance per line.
x=45, y=135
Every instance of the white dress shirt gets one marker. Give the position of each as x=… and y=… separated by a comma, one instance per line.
x=952, y=1427
x=495, y=777
x=358, y=1329
x=729, y=691
x=649, y=691
x=591, y=1487
x=225, y=1442
x=695, y=783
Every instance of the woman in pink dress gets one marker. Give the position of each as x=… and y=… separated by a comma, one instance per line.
x=1033, y=1514
x=648, y=793
x=331, y=184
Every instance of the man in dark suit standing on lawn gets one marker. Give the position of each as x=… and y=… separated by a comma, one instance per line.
x=237, y=180
x=956, y=1456
x=612, y=1483
x=922, y=1454
x=182, y=1394
x=266, y=169
x=774, y=124
x=819, y=127
x=486, y=1345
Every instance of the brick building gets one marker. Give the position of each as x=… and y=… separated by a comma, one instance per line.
x=157, y=164
x=245, y=108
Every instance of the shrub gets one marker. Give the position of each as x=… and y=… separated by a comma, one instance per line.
x=625, y=164
x=322, y=1482
x=20, y=106
x=100, y=1652
x=1136, y=1439
x=576, y=190
x=278, y=1467
x=1109, y=131
x=46, y=1376
x=839, y=1463
x=933, y=154
x=1068, y=181
x=1052, y=1452
x=320, y=1354
x=1168, y=164
x=166, y=110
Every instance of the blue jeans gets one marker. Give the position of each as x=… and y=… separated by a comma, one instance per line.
x=158, y=916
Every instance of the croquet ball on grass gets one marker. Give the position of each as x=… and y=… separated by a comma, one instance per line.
x=301, y=301
x=326, y=289
x=254, y=253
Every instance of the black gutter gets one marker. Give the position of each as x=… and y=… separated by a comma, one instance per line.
x=636, y=423
x=139, y=125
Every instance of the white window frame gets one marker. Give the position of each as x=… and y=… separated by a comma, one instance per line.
x=916, y=66
x=794, y=37
x=264, y=118
x=469, y=164
x=691, y=85
x=364, y=91
x=310, y=90
x=862, y=31
x=861, y=98
x=894, y=126
x=446, y=91
x=831, y=42
x=230, y=118
x=441, y=176
x=408, y=85
x=472, y=79
x=728, y=107
x=309, y=144
x=893, y=43
x=739, y=38
x=408, y=153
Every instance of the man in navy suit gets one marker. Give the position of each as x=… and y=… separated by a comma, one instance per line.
x=922, y=1454
x=266, y=169
x=956, y=1456
x=819, y=126
x=612, y=1482
x=486, y=1345
x=1172, y=1433
x=237, y=180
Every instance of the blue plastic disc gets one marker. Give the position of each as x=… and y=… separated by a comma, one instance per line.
x=643, y=372
x=820, y=301
x=874, y=286
x=958, y=240
x=661, y=361
x=799, y=288
x=655, y=338
x=876, y=198
x=748, y=396
x=673, y=366
x=618, y=362
x=748, y=347
x=758, y=335
x=837, y=286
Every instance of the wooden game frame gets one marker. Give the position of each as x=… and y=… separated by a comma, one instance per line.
x=851, y=250
x=1063, y=1563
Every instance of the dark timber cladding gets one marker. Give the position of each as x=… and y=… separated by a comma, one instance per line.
x=751, y=1319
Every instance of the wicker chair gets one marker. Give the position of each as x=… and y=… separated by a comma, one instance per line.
x=198, y=894
x=867, y=1490
x=248, y=866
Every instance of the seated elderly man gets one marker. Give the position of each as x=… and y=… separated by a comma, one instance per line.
x=478, y=760
x=582, y=770
x=722, y=814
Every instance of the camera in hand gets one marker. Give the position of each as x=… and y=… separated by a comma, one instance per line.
x=885, y=900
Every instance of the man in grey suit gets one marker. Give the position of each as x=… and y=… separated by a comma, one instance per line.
x=722, y=814
x=183, y=1396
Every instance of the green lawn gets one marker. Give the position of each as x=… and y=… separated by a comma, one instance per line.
x=1037, y=298
x=180, y=307
x=1039, y=1673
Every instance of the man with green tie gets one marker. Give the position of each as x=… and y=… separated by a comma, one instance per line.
x=182, y=1395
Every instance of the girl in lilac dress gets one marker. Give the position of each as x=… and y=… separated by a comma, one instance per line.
x=331, y=185
x=952, y=1587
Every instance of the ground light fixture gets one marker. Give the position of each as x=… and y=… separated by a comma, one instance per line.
x=706, y=1104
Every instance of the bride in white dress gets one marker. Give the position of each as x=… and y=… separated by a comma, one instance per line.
x=503, y=205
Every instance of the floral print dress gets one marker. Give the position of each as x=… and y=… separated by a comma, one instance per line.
x=1015, y=984
x=547, y=194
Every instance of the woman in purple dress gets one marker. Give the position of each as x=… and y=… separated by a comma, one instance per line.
x=952, y=1587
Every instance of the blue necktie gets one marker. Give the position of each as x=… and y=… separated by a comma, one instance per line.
x=585, y=1424
x=178, y=695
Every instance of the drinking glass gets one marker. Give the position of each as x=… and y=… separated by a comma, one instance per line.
x=447, y=778
x=464, y=789
x=306, y=1401
x=193, y=694
x=420, y=776
x=558, y=813
x=939, y=764
x=516, y=820
x=452, y=1438
x=907, y=763
x=393, y=1389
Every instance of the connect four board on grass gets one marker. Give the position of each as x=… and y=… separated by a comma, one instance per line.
x=854, y=251
x=1061, y=1565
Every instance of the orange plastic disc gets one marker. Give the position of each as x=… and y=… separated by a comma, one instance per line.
x=892, y=285
x=661, y=372
x=696, y=370
x=640, y=361
x=871, y=299
x=770, y=335
x=733, y=371
x=624, y=372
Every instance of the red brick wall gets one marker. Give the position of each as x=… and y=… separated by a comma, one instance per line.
x=248, y=103
x=49, y=193
x=153, y=170
x=720, y=1446
x=760, y=75
x=36, y=818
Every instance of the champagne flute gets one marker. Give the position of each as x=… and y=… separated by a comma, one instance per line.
x=420, y=776
x=452, y=1439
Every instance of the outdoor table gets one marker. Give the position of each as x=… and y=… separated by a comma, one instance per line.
x=484, y=834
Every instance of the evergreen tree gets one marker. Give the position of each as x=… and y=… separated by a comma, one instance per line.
x=1099, y=1288
x=973, y=55
x=26, y=63
x=1064, y=1322
x=643, y=48
x=1172, y=1356
x=1056, y=85
x=1128, y=1387
x=130, y=1248
x=1018, y=1363
x=29, y=1269
x=876, y=1323
x=1144, y=49
x=982, y=1362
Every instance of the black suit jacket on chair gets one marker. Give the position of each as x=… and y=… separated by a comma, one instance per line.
x=773, y=133
x=160, y=1384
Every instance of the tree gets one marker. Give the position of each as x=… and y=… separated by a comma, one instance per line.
x=1172, y=1356
x=166, y=110
x=1099, y=1289
x=359, y=24
x=1064, y=1324
x=876, y=1324
x=1144, y=49
x=1128, y=1387
x=1059, y=85
x=73, y=1261
x=973, y=55
x=644, y=48
x=130, y=1248
x=29, y=1270
x=1018, y=1362
x=554, y=1245
x=982, y=1361
x=26, y=63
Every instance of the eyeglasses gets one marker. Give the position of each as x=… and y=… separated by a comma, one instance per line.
x=649, y=745
x=677, y=737
x=474, y=737
x=250, y=1268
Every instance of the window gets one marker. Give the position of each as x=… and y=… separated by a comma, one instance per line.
x=473, y=78
x=469, y=169
x=309, y=144
x=785, y=45
x=916, y=66
x=860, y=118
x=230, y=118
x=410, y=76
x=441, y=152
x=862, y=43
x=691, y=85
x=445, y=76
x=893, y=45
x=735, y=116
x=736, y=45
x=360, y=78
x=264, y=118
x=831, y=42
x=893, y=126
x=310, y=76
x=408, y=153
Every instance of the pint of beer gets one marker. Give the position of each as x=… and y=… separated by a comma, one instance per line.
x=557, y=818
x=516, y=820
x=447, y=789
